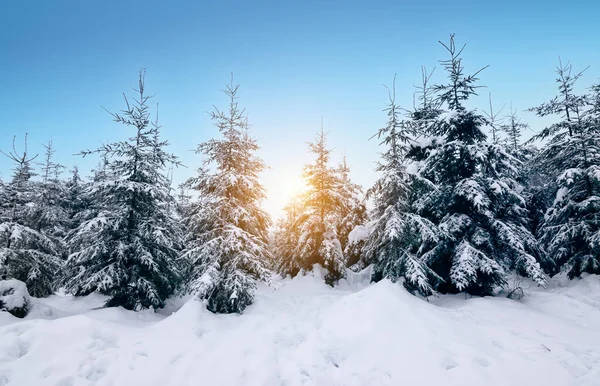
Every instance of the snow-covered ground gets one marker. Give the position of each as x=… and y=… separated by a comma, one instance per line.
x=305, y=333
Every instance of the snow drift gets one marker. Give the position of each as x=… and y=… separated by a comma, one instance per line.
x=14, y=297
x=306, y=333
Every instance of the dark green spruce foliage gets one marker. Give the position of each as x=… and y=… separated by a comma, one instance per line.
x=128, y=245
x=400, y=240
x=227, y=229
x=26, y=252
x=471, y=194
x=570, y=227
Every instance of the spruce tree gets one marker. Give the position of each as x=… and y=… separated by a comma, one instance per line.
x=26, y=253
x=513, y=129
x=74, y=203
x=48, y=213
x=495, y=122
x=128, y=246
x=286, y=236
x=570, y=228
x=227, y=229
x=474, y=196
x=400, y=240
x=183, y=200
x=317, y=225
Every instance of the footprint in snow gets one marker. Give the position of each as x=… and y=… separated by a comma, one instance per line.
x=482, y=361
x=176, y=358
x=18, y=349
x=450, y=363
x=68, y=381
x=18, y=329
x=497, y=344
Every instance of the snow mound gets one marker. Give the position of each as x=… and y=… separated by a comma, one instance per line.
x=358, y=234
x=14, y=297
x=308, y=333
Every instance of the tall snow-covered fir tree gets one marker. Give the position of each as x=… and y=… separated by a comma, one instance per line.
x=476, y=199
x=400, y=240
x=48, y=213
x=570, y=229
x=26, y=253
x=74, y=204
x=286, y=236
x=227, y=229
x=317, y=225
x=129, y=245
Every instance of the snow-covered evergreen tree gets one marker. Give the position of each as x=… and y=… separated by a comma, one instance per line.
x=317, y=225
x=26, y=254
x=74, y=203
x=570, y=230
x=129, y=245
x=514, y=127
x=183, y=200
x=227, y=227
x=475, y=198
x=400, y=239
x=286, y=236
x=48, y=214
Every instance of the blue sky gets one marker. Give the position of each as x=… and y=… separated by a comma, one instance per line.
x=295, y=61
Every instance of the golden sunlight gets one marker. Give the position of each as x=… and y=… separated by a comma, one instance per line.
x=281, y=190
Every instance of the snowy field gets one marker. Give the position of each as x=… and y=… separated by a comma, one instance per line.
x=305, y=333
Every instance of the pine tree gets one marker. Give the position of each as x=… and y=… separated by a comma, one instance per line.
x=475, y=198
x=26, y=254
x=400, y=239
x=128, y=248
x=571, y=226
x=317, y=225
x=227, y=227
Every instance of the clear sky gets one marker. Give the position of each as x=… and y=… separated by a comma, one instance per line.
x=296, y=62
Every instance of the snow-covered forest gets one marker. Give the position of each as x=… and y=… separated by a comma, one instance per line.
x=466, y=201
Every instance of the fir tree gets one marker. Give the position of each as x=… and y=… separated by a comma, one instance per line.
x=474, y=198
x=400, y=240
x=183, y=200
x=513, y=128
x=571, y=226
x=48, y=214
x=75, y=204
x=286, y=236
x=317, y=225
x=128, y=247
x=495, y=123
x=26, y=254
x=227, y=228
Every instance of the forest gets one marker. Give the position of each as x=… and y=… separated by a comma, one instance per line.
x=461, y=204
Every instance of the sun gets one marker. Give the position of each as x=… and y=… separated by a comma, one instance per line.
x=281, y=190
x=293, y=186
